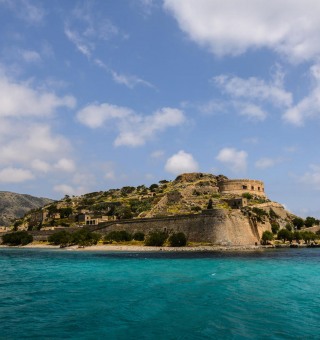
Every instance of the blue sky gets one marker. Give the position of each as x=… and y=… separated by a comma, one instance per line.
x=102, y=94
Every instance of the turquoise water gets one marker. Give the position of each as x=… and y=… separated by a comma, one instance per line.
x=56, y=294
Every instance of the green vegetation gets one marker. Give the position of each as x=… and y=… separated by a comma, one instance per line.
x=177, y=240
x=156, y=239
x=138, y=236
x=311, y=221
x=117, y=236
x=82, y=237
x=247, y=195
x=267, y=236
x=275, y=227
x=298, y=222
x=17, y=238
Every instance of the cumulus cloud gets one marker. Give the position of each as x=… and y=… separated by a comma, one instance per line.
x=181, y=162
x=233, y=159
x=309, y=106
x=133, y=129
x=19, y=100
x=290, y=28
x=65, y=164
x=28, y=145
x=15, y=175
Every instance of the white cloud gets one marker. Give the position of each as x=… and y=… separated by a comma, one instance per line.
x=181, y=162
x=65, y=164
x=309, y=106
x=40, y=165
x=312, y=177
x=64, y=189
x=234, y=159
x=96, y=115
x=265, y=162
x=253, y=112
x=157, y=154
x=25, y=10
x=133, y=129
x=15, y=175
x=290, y=28
x=19, y=100
x=130, y=81
x=85, y=47
x=254, y=89
x=30, y=56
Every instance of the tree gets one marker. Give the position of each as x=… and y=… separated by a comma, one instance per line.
x=156, y=239
x=60, y=238
x=284, y=235
x=210, y=204
x=310, y=221
x=266, y=237
x=118, y=236
x=84, y=237
x=153, y=187
x=308, y=236
x=288, y=227
x=247, y=195
x=298, y=222
x=297, y=236
x=17, y=238
x=138, y=236
x=178, y=240
x=275, y=227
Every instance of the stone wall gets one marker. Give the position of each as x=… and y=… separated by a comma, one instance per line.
x=240, y=186
x=216, y=226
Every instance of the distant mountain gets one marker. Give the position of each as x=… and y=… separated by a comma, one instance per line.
x=14, y=205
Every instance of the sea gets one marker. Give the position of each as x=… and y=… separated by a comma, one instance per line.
x=61, y=294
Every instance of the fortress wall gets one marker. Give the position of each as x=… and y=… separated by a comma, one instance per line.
x=240, y=186
x=220, y=227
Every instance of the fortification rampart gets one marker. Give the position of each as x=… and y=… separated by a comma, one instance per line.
x=214, y=226
x=240, y=186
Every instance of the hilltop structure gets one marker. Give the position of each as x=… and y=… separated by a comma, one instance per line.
x=206, y=207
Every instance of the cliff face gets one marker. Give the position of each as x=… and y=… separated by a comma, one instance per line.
x=14, y=205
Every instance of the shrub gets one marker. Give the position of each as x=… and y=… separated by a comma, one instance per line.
x=266, y=237
x=138, y=236
x=82, y=237
x=247, y=195
x=156, y=239
x=118, y=236
x=298, y=222
x=60, y=238
x=275, y=227
x=288, y=226
x=285, y=235
x=178, y=240
x=85, y=237
x=273, y=214
x=17, y=238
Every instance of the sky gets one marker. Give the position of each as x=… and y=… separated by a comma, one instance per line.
x=102, y=94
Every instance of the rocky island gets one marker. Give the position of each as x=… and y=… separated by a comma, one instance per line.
x=207, y=209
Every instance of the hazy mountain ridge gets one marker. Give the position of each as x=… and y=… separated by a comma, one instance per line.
x=14, y=205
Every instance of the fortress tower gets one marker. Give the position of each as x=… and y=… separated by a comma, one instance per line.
x=240, y=186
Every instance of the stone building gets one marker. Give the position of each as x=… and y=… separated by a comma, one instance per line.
x=240, y=186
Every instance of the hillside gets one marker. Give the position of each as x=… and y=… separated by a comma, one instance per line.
x=189, y=193
x=13, y=206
